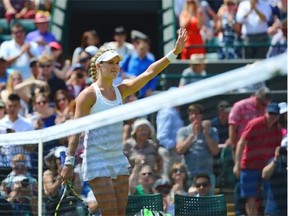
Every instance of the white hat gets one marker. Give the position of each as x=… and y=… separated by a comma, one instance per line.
x=108, y=55
x=142, y=121
x=58, y=151
x=283, y=107
x=197, y=59
x=91, y=50
x=19, y=178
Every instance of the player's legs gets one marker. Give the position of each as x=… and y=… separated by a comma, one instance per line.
x=121, y=192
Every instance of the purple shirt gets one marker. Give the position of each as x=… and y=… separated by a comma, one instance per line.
x=34, y=35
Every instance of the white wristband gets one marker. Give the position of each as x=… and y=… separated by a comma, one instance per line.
x=171, y=56
x=69, y=160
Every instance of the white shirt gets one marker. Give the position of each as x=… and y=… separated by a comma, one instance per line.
x=253, y=24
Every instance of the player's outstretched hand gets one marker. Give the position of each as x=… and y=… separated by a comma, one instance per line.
x=181, y=41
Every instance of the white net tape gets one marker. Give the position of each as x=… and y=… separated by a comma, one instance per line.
x=222, y=83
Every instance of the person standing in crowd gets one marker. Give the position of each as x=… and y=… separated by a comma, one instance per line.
x=17, y=51
x=241, y=113
x=196, y=70
x=168, y=121
x=192, y=18
x=109, y=179
x=120, y=43
x=196, y=141
x=276, y=173
x=253, y=16
x=255, y=147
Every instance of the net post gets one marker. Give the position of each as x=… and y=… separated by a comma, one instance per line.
x=40, y=179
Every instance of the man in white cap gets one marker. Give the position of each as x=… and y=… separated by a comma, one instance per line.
x=195, y=71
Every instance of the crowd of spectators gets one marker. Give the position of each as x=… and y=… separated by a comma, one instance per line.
x=38, y=90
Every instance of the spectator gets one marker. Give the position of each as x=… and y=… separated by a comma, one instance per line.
x=227, y=30
x=241, y=113
x=85, y=56
x=65, y=106
x=28, y=11
x=196, y=141
x=13, y=122
x=17, y=52
x=255, y=147
x=168, y=121
x=42, y=36
x=3, y=73
x=201, y=186
x=77, y=80
x=253, y=16
x=43, y=115
x=141, y=179
x=134, y=64
x=192, y=19
x=163, y=186
x=46, y=73
x=142, y=145
x=34, y=67
x=276, y=173
x=278, y=40
x=196, y=70
x=14, y=79
x=127, y=128
x=12, y=8
x=178, y=177
x=88, y=38
x=120, y=43
x=19, y=168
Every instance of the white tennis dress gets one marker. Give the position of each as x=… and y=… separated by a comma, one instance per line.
x=103, y=153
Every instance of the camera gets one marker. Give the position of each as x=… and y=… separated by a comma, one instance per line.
x=283, y=151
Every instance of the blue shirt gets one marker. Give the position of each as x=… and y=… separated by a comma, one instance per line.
x=223, y=130
x=35, y=35
x=168, y=122
x=134, y=66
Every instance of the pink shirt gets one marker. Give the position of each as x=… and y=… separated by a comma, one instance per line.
x=261, y=145
x=242, y=112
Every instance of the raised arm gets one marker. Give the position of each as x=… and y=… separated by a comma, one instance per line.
x=133, y=85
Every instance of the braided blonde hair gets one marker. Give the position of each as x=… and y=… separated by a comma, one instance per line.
x=92, y=65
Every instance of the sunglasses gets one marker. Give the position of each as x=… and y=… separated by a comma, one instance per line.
x=61, y=99
x=203, y=184
x=41, y=102
x=45, y=65
x=178, y=170
x=17, y=32
x=147, y=174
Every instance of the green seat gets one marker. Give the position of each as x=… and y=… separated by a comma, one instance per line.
x=135, y=203
x=5, y=37
x=4, y=27
x=200, y=206
x=28, y=24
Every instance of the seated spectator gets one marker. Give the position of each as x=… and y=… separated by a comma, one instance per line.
x=85, y=56
x=17, y=51
x=43, y=115
x=28, y=11
x=88, y=38
x=141, y=145
x=201, y=186
x=2, y=109
x=163, y=186
x=65, y=107
x=19, y=197
x=77, y=81
x=19, y=168
x=46, y=73
x=141, y=179
x=42, y=36
x=12, y=8
x=195, y=71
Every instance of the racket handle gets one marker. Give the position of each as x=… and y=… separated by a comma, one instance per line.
x=62, y=156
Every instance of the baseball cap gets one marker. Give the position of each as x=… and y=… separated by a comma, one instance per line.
x=77, y=66
x=120, y=30
x=224, y=106
x=162, y=183
x=41, y=18
x=283, y=107
x=135, y=34
x=106, y=56
x=58, y=151
x=91, y=50
x=55, y=45
x=273, y=108
x=33, y=61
